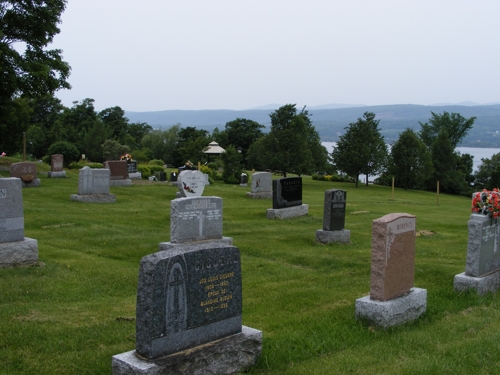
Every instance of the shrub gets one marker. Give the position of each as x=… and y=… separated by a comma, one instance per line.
x=212, y=174
x=95, y=165
x=213, y=166
x=145, y=171
x=46, y=159
x=155, y=168
x=156, y=162
x=67, y=149
x=75, y=165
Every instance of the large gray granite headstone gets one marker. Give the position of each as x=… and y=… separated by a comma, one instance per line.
x=262, y=182
x=195, y=219
x=93, y=181
x=11, y=210
x=191, y=183
x=483, y=255
x=334, y=211
x=187, y=297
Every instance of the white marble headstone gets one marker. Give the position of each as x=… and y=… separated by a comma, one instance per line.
x=191, y=183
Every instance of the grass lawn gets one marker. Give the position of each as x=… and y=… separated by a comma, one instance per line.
x=72, y=315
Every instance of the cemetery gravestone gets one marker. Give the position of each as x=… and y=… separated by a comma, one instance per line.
x=393, y=300
x=173, y=177
x=189, y=300
x=334, y=218
x=244, y=180
x=15, y=249
x=132, y=171
x=482, y=269
x=26, y=171
x=118, y=173
x=262, y=187
x=93, y=186
x=191, y=183
x=287, y=199
x=56, y=166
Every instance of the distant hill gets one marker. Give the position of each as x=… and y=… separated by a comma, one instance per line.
x=330, y=122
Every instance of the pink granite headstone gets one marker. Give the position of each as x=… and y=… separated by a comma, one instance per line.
x=56, y=163
x=117, y=169
x=393, y=256
x=23, y=168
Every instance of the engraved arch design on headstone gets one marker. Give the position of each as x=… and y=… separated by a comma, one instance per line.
x=176, y=297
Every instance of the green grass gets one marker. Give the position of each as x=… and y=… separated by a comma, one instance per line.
x=72, y=315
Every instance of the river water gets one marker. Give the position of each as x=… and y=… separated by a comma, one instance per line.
x=477, y=152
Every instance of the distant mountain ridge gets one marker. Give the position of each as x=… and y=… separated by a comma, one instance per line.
x=330, y=122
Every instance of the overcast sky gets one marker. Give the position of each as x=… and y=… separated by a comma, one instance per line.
x=154, y=55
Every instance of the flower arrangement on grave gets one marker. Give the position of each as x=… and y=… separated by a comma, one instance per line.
x=127, y=158
x=487, y=202
x=189, y=164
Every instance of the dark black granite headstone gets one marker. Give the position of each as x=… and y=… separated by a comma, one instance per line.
x=132, y=167
x=287, y=192
x=244, y=178
x=187, y=298
x=334, y=211
x=162, y=176
x=173, y=177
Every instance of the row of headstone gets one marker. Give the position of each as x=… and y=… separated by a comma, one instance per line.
x=15, y=249
x=189, y=298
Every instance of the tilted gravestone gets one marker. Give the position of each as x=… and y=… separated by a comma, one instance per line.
x=287, y=199
x=393, y=299
x=56, y=166
x=189, y=300
x=482, y=269
x=93, y=186
x=26, y=171
x=15, y=249
x=262, y=186
x=334, y=218
x=191, y=183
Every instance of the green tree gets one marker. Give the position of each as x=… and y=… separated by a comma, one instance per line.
x=115, y=120
x=232, y=165
x=136, y=132
x=162, y=143
x=93, y=140
x=190, y=145
x=68, y=150
x=411, y=163
x=287, y=146
x=361, y=150
x=75, y=122
x=28, y=70
x=455, y=125
x=13, y=122
x=112, y=150
x=240, y=133
x=488, y=173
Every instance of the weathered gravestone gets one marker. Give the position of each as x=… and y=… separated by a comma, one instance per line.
x=244, y=180
x=482, y=269
x=393, y=299
x=93, y=186
x=191, y=183
x=56, y=166
x=334, y=218
x=262, y=187
x=287, y=199
x=118, y=174
x=26, y=171
x=15, y=249
x=189, y=300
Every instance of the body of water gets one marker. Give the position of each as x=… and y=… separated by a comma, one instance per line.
x=477, y=152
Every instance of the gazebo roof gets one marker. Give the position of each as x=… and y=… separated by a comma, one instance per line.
x=214, y=148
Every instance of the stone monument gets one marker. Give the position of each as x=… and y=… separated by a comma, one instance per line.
x=244, y=180
x=189, y=300
x=93, y=186
x=262, y=187
x=15, y=249
x=393, y=299
x=132, y=170
x=334, y=218
x=191, y=183
x=56, y=166
x=26, y=171
x=118, y=173
x=287, y=199
x=482, y=268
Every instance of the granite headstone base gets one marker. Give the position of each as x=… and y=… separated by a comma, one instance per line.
x=19, y=252
x=229, y=355
x=332, y=236
x=35, y=183
x=135, y=176
x=261, y=195
x=394, y=312
x=94, y=198
x=288, y=212
x=126, y=182
x=482, y=285
x=56, y=174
